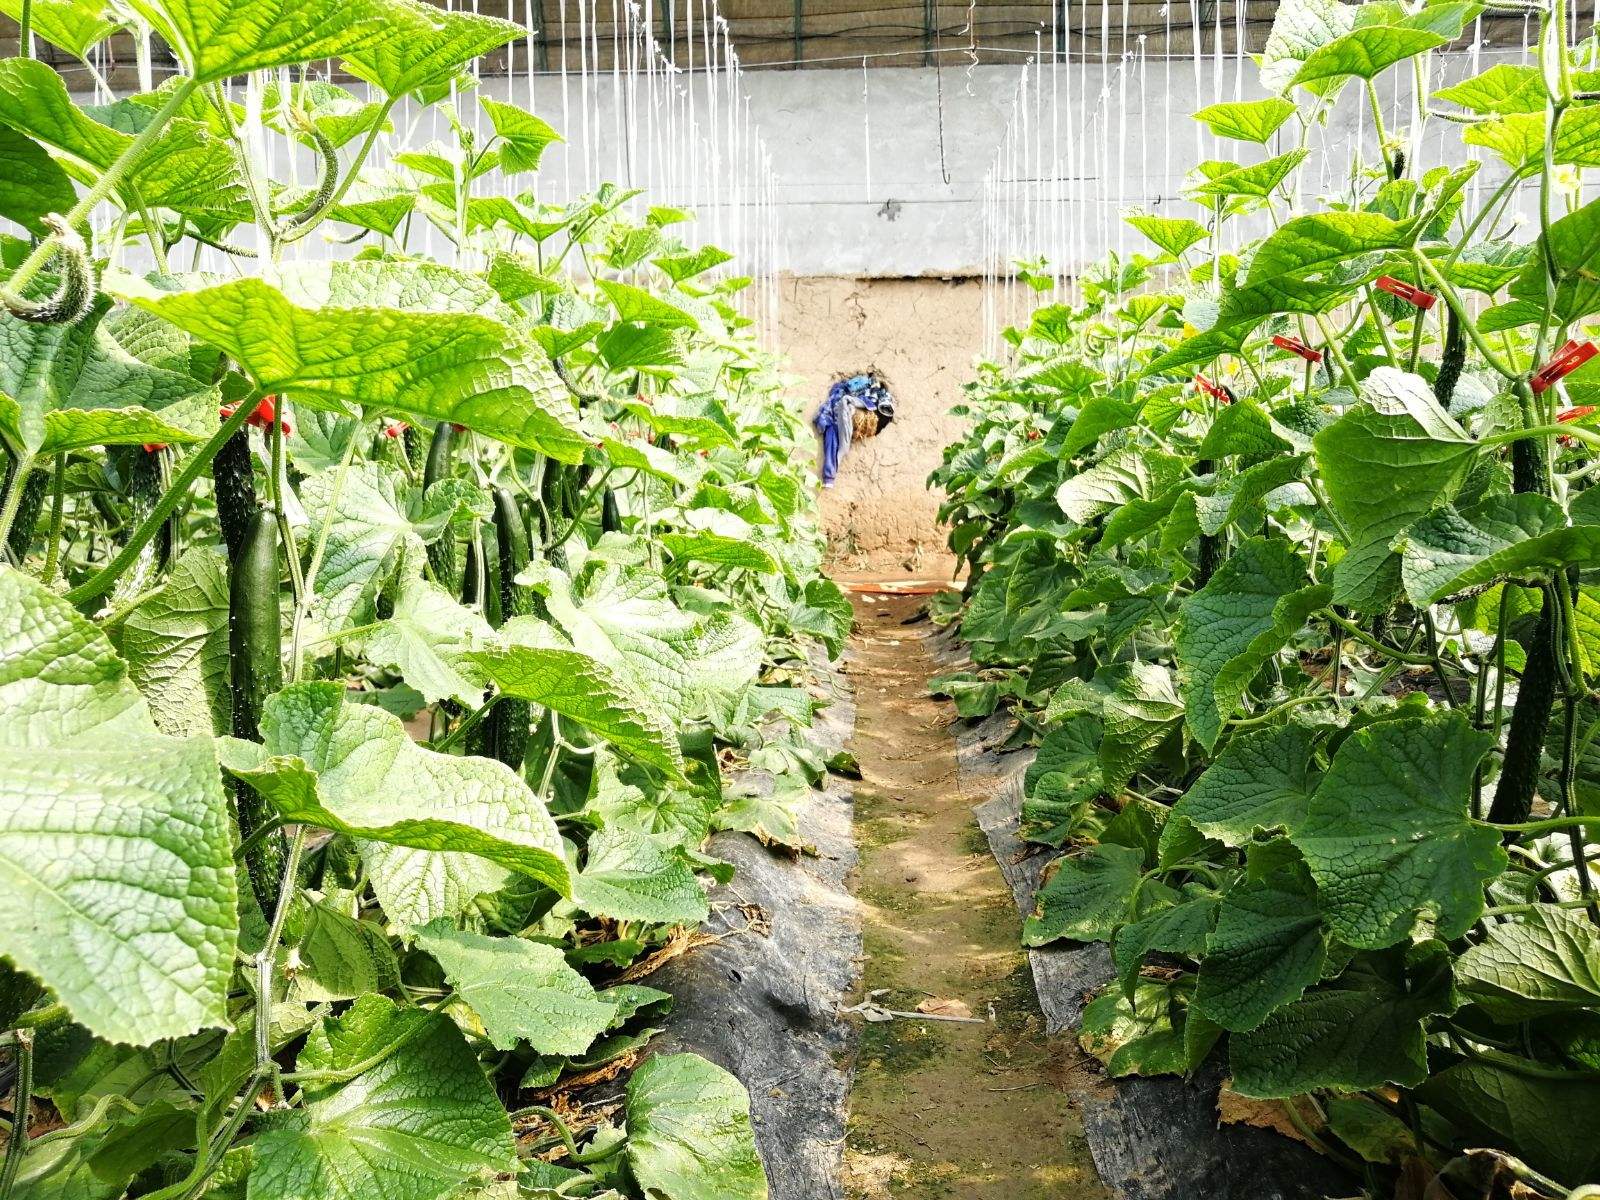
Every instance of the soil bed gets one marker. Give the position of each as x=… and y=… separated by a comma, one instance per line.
x=938, y=1108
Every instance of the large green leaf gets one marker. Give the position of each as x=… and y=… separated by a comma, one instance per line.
x=1388, y=837
x=1544, y=961
x=68, y=387
x=1503, y=88
x=1258, y=180
x=1266, y=949
x=218, y=38
x=1299, y=28
x=1574, y=248
x=427, y=48
x=689, y=1134
x=1227, y=630
x=116, y=853
x=522, y=991
x=585, y=691
x=1386, y=464
x=436, y=831
x=523, y=136
x=416, y=1122
x=74, y=25
x=464, y=368
x=378, y=528
x=185, y=168
x=1312, y=263
x=685, y=664
x=1172, y=234
x=34, y=183
x=1366, y=52
x=428, y=638
x=1247, y=120
x=1524, y=537
x=1350, y=1037
x=719, y=550
x=631, y=877
x=1548, y=1123
x=1114, y=480
x=1062, y=780
x=176, y=645
x=1261, y=781
x=1087, y=896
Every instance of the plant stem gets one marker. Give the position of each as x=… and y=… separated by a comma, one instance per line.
x=102, y=580
x=21, y=466
x=58, y=504
x=17, y=1143
x=104, y=186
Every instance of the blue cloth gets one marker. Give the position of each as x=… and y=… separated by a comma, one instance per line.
x=834, y=418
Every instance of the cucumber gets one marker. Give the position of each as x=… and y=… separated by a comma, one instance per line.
x=255, y=671
x=29, y=505
x=610, y=514
x=507, y=726
x=442, y=554
x=1536, y=694
x=1453, y=359
x=144, y=490
x=233, y=474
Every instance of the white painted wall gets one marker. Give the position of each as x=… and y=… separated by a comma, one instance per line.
x=880, y=173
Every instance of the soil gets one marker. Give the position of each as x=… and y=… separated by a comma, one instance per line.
x=942, y=1109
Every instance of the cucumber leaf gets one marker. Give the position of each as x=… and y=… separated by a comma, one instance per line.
x=117, y=884
x=689, y=1133
x=1524, y=537
x=522, y=991
x=1227, y=630
x=435, y=830
x=1388, y=837
x=416, y=1122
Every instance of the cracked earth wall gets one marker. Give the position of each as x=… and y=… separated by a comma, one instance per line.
x=922, y=334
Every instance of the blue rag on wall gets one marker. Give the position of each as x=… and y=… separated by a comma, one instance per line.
x=833, y=419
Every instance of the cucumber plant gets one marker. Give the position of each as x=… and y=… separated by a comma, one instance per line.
x=1287, y=559
x=285, y=545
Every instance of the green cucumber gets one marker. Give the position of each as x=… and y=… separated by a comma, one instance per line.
x=506, y=728
x=233, y=474
x=145, y=488
x=1452, y=361
x=610, y=514
x=1536, y=693
x=255, y=671
x=29, y=505
x=442, y=554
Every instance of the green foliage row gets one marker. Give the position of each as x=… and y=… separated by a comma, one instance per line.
x=359, y=745
x=1309, y=647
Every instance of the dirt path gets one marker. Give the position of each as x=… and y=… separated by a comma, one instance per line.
x=972, y=1111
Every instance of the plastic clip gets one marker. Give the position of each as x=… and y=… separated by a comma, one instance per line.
x=1212, y=390
x=1296, y=346
x=1563, y=363
x=1409, y=292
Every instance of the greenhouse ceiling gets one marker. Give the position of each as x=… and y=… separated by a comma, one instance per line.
x=790, y=34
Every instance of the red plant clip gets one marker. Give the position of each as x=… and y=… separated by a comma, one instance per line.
x=1564, y=362
x=1572, y=414
x=1212, y=390
x=1409, y=292
x=1296, y=346
x=265, y=412
x=393, y=429
x=458, y=428
x=153, y=447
